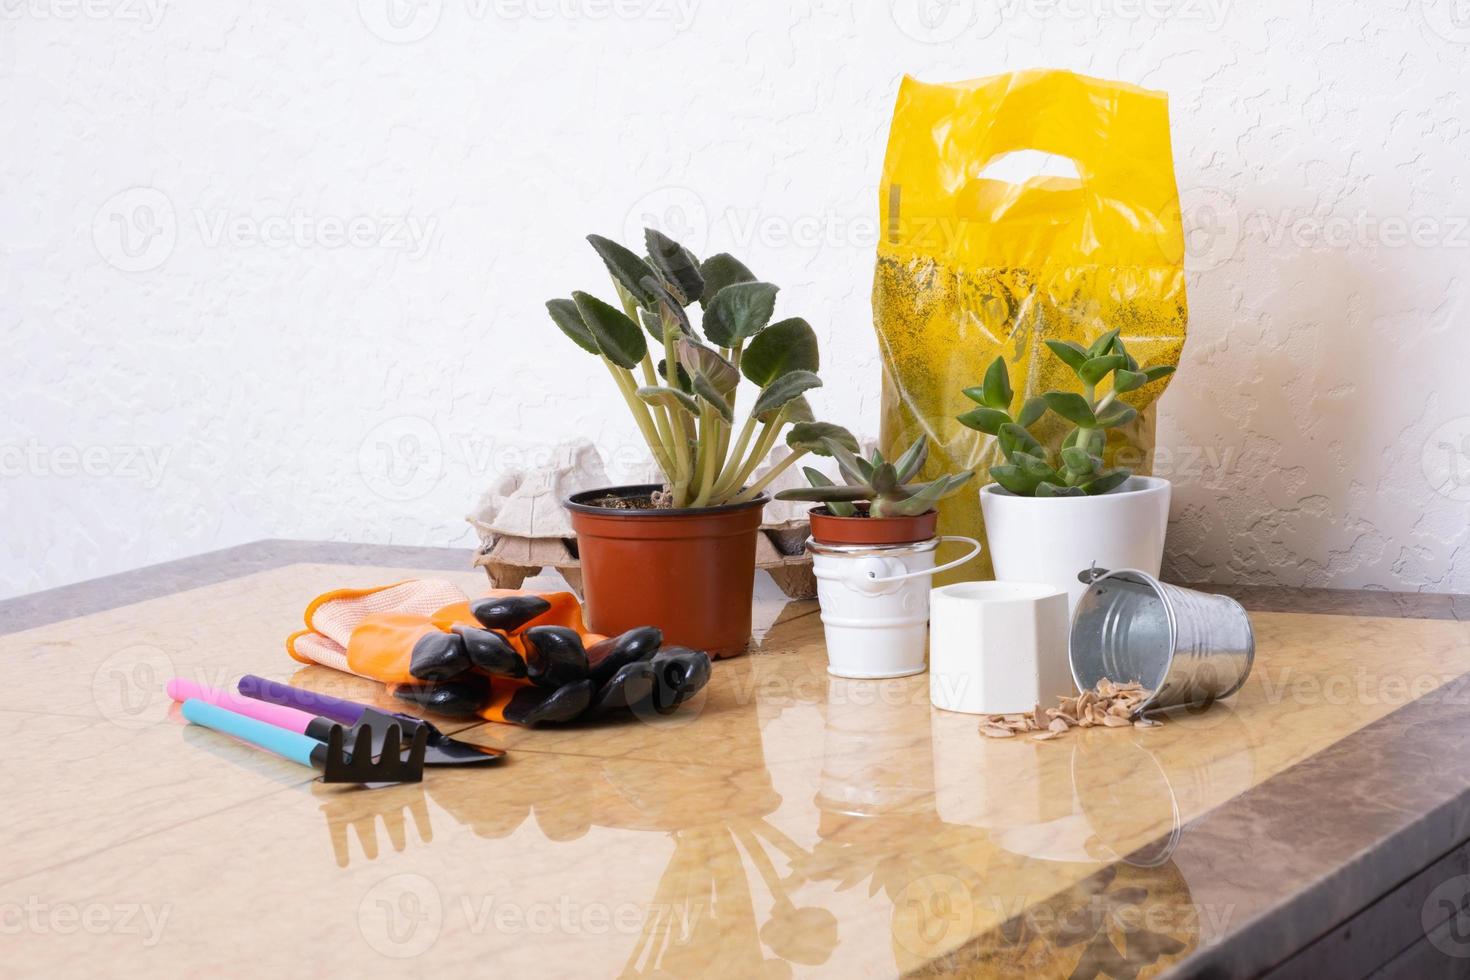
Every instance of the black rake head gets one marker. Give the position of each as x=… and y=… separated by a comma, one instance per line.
x=387, y=767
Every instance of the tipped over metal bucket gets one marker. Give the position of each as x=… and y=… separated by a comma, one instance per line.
x=1187, y=647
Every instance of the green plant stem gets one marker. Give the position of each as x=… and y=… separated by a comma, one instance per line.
x=752, y=491
x=763, y=445
x=708, y=437
x=734, y=459
x=661, y=420
x=686, y=463
x=624, y=380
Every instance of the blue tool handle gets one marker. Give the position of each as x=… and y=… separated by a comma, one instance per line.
x=292, y=745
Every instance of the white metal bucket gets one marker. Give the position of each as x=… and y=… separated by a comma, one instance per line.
x=875, y=604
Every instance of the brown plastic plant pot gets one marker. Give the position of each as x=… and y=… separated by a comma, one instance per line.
x=828, y=528
x=690, y=571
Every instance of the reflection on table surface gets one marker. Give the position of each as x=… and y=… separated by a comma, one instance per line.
x=803, y=820
x=783, y=823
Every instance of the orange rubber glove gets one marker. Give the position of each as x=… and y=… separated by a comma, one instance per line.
x=514, y=656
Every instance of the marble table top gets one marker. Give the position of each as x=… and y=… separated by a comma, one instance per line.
x=785, y=823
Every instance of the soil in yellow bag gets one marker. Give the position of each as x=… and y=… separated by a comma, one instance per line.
x=970, y=266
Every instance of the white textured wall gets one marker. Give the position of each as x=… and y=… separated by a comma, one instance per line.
x=276, y=269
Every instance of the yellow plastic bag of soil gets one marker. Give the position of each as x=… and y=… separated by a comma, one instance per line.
x=970, y=266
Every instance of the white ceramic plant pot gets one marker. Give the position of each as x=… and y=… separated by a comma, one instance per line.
x=1051, y=540
x=875, y=604
x=998, y=647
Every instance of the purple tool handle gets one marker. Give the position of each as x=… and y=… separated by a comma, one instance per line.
x=344, y=712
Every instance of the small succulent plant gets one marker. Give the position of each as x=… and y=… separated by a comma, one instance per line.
x=680, y=387
x=883, y=485
x=1076, y=469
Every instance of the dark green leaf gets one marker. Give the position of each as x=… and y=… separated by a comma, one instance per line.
x=1033, y=466
x=652, y=322
x=675, y=263
x=699, y=360
x=885, y=479
x=568, y=319
x=738, y=312
x=987, y=420
x=720, y=271
x=819, y=479
x=1072, y=354
x=626, y=268
x=668, y=398
x=618, y=338
x=800, y=410
x=1120, y=348
x=683, y=380
x=825, y=494
x=776, y=394
x=1110, y=480
x=817, y=437
x=926, y=495
x=913, y=459
x=1160, y=371
x=1097, y=368
x=1014, y=439
x=789, y=345
x=705, y=389
x=1125, y=380
x=1102, y=343
x=855, y=470
x=1117, y=414
x=1013, y=480
x=1080, y=460
x=996, y=388
x=670, y=310
x=1070, y=406
x=1034, y=409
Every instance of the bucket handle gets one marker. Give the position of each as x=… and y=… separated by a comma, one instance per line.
x=1089, y=575
x=974, y=550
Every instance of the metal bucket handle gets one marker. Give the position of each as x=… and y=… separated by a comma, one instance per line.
x=871, y=579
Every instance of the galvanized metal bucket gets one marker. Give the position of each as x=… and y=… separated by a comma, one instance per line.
x=1187, y=647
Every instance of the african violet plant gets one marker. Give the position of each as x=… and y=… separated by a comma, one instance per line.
x=1032, y=470
x=881, y=483
x=687, y=414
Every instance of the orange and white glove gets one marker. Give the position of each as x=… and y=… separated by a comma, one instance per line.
x=514, y=656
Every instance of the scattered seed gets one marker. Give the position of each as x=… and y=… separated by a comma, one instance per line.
x=1110, y=705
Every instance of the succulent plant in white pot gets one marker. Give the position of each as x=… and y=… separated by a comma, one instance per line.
x=1054, y=513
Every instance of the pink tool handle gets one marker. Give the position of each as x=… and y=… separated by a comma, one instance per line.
x=274, y=714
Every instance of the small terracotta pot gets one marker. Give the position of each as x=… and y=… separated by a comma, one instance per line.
x=690, y=572
x=831, y=529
